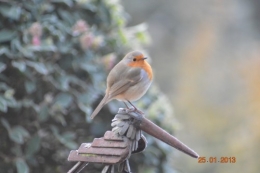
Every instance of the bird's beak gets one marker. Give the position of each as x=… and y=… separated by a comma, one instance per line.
x=144, y=58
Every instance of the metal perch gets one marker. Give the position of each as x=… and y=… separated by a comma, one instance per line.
x=126, y=138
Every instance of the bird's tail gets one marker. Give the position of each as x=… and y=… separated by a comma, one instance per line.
x=100, y=105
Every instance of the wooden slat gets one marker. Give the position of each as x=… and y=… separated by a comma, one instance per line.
x=104, y=151
x=75, y=156
x=101, y=143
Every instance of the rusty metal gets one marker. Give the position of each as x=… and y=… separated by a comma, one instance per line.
x=108, y=144
x=157, y=132
x=152, y=129
x=125, y=139
x=116, y=150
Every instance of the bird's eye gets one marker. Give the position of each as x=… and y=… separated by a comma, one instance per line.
x=134, y=59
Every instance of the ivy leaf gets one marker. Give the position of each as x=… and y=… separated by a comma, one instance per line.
x=5, y=124
x=21, y=166
x=13, y=12
x=4, y=51
x=19, y=65
x=18, y=134
x=43, y=113
x=39, y=67
x=3, y=104
x=63, y=99
x=33, y=145
x=2, y=66
x=6, y=35
x=65, y=139
x=30, y=87
x=69, y=3
x=9, y=98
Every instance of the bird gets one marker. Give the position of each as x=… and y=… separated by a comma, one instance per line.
x=128, y=80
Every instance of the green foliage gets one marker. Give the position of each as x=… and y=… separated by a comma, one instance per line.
x=54, y=58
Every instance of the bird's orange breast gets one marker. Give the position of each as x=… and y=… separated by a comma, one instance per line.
x=144, y=65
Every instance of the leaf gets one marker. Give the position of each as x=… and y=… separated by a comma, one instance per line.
x=38, y=66
x=33, y=145
x=88, y=6
x=63, y=99
x=67, y=2
x=11, y=102
x=4, y=86
x=5, y=124
x=6, y=35
x=86, y=109
x=66, y=16
x=44, y=113
x=12, y=12
x=64, y=82
x=21, y=166
x=30, y=87
x=9, y=93
x=20, y=65
x=66, y=139
x=2, y=66
x=4, y=51
x=3, y=104
x=9, y=98
x=69, y=135
x=18, y=134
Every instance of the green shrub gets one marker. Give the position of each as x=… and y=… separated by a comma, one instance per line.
x=54, y=59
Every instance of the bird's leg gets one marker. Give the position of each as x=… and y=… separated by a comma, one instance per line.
x=129, y=108
x=135, y=109
x=126, y=105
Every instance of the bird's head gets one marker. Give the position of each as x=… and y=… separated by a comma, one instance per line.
x=135, y=59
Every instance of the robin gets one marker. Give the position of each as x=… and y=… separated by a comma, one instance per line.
x=128, y=80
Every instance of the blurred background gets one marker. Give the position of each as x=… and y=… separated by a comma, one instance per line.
x=55, y=56
x=206, y=56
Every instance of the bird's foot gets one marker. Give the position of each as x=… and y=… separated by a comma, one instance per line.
x=134, y=109
x=133, y=113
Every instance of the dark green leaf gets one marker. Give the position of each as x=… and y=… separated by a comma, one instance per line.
x=5, y=124
x=33, y=145
x=30, y=87
x=11, y=102
x=4, y=51
x=3, y=104
x=6, y=35
x=2, y=67
x=64, y=81
x=38, y=66
x=18, y=134
x=64, y=139
x=20, y=65
x=9, y=98
x=66, y=16
x=4, y=86
x=89, y=6
x=67, y=2
x=44, y=113
x=63, y=99
x=13, y=12
x=21, y=166
x=69, y=135
x=9, y=93
x=87, y=110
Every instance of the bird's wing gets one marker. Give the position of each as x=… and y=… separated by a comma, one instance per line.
x=132, y=77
